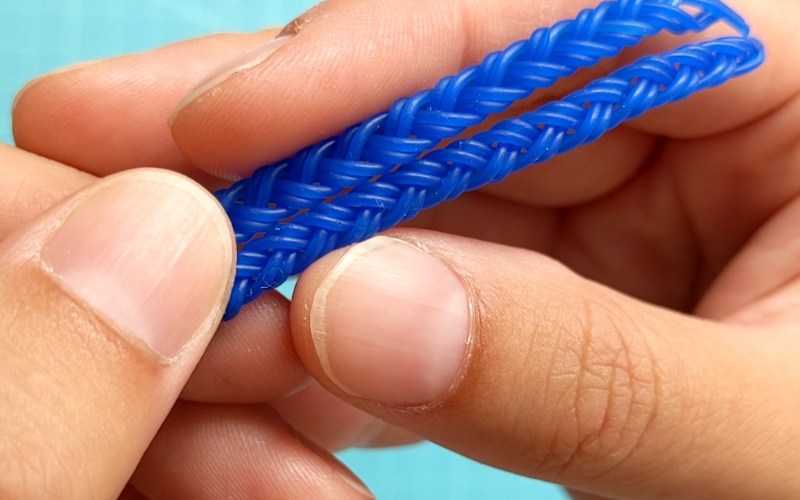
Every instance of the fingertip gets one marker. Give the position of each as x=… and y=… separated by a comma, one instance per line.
x=163, y=294
x=242, y=62
x=251, y=359
x=330, y=76
x=327, y=420
x=243, y=451
x=114, y=293
x=387, y=322
x=107, y=116
x=31, y=84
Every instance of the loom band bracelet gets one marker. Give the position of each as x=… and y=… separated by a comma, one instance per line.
x=281, y=190
x=511, y=145
x=417, y=124
x=290, y=247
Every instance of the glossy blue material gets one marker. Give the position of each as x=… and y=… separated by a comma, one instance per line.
x=387, y=169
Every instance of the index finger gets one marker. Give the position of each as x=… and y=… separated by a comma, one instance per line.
x=351, y=59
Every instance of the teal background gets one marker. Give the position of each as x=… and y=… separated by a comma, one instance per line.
x=37, y=36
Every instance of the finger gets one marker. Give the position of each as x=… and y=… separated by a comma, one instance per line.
x=251, y=358
x=101, y=328
x=335, y=425
x=48, y=109
x=507, y=357
x=339, y=70
x=236, y=452
x=760, y=286
x=107, y=116
x=32, y=185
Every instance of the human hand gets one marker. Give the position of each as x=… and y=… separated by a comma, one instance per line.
x=107, y=302
x=622, y=390
x=220, y=436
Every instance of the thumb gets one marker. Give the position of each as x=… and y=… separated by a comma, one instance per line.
x=106, y=304
x=507, y=357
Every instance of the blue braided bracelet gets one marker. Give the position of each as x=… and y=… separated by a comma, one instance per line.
x=387, y=169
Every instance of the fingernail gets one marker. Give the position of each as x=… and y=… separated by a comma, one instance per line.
x=151, y=252
x=33, y=82
x=391, y=323
x=232, y=67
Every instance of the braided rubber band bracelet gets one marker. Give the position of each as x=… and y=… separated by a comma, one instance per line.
x=387, y=169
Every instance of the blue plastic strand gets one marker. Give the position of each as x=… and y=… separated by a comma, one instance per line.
x=387, y=169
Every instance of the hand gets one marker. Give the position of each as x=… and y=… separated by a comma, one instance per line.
x=101, y=328
x=90, y=367
x=658, y=363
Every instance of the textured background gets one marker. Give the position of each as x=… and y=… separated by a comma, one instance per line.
x=37, y=36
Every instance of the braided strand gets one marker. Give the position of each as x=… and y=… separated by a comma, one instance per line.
x=386, y=170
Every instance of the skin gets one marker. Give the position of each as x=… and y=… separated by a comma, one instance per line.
x=675, y=232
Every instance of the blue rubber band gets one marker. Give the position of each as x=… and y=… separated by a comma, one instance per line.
x=387, y=169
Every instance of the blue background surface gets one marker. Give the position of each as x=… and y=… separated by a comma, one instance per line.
x=37, y=36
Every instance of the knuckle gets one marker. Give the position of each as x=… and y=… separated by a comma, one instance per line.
x=603, y=391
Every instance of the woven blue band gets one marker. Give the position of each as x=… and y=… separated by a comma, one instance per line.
x=387, y=169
